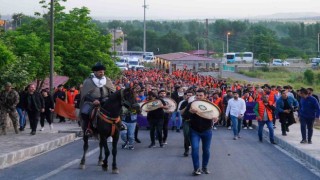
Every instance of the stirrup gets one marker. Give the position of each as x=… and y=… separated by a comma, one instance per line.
x=89, y=133
x=123, y=127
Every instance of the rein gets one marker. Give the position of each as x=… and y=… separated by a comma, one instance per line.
x=112, y=121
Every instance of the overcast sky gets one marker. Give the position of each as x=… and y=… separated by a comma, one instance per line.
x=172, y=9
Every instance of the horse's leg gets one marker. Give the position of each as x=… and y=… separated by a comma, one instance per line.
x=115, y=169
x=103, y=140
x=100, y=162
x=85, y=149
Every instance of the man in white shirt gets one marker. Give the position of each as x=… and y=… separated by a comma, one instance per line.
x=236, y=107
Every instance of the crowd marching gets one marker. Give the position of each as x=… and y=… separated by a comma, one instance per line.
x=268, y=103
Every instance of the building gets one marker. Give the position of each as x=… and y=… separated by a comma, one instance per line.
x=181, y=60
x=118, y=35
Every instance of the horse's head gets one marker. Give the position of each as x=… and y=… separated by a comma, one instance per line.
x=129, y=97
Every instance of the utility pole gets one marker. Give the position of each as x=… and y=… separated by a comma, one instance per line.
x=51, y=44
x=253, y=51
x=114, y=39
x=144, y=27
x=207, y=37
x=318, y=45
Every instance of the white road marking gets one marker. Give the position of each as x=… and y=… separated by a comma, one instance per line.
x=56, y=171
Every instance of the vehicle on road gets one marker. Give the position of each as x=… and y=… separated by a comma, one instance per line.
x=122, y=62
x=261, y=63
x=233, y=57
x=123, y=67
x=315, y=63
x=279, y=62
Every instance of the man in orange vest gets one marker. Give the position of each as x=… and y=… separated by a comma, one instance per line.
x=264, y=110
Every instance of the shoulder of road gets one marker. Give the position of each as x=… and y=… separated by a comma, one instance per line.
x=16, y=148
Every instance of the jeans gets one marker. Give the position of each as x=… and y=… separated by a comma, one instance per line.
x=205, y=137
x=22, y=117
x=173, y=119
x=128, y=135
x=186, y=135
x=309, y=124
x=270, y=127
x=236, y=125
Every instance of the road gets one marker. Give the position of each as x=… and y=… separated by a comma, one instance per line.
x=245, y=159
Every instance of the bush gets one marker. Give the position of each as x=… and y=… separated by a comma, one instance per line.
x=308, y=76
x=279, y=69
x=265, y=69
x=318, y=78
x=253, y=74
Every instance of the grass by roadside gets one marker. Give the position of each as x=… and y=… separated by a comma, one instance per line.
x=281, y=76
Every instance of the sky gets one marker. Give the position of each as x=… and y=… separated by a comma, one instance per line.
x=171, y=9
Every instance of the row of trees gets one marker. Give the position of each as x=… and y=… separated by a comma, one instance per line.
x=24, y=52
x=266, y=40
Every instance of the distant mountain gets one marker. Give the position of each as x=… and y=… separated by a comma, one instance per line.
x=293, y=15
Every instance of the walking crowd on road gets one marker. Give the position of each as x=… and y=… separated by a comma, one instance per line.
x=239, y=105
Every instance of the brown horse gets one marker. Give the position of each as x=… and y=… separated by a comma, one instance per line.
x=108, y=124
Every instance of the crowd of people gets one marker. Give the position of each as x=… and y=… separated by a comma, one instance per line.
x=269, y=103
x=32, y=105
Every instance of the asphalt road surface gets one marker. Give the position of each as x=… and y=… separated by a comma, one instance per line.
x=243, y=159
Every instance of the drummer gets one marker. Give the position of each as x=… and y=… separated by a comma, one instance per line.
x=200, y=129
x=162, y=94
x=155, y=120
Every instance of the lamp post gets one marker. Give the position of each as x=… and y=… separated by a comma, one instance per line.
x=144, y=28
x=51, y=44
x=318, y=45
x=228, y=41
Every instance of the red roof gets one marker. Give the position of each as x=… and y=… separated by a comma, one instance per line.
x=182, y=56
x=200, y=52
x=56, y=81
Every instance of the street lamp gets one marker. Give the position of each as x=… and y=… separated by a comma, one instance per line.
x=51, y=45
x=228, y=41
x=318, y=45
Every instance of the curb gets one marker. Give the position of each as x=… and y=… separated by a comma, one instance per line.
x=293, y=150
x=12, y=158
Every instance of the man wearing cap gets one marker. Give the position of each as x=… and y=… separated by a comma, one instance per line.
x=236, y=107
x=96, y=89
x=9, y=99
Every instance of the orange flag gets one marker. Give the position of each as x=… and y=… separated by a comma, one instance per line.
x=65, y=110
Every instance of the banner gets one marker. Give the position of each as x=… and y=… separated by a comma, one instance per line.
x=65, y=110
x=249, y=114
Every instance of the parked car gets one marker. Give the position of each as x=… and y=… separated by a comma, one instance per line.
x=122, y=62
x=279, y=62
x=123, y=67
x=261, y=63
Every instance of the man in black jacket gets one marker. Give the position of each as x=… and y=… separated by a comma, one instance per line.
x=33, y=103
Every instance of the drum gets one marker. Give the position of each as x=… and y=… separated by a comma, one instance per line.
x=206, y=109
x=191, y=99
x=171, y=104
x=151, y=105
x=143, y=113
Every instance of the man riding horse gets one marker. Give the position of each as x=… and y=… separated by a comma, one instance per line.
x=95, y=91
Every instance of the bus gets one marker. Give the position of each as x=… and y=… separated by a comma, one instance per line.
x=233, y=57
x=134, y=53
